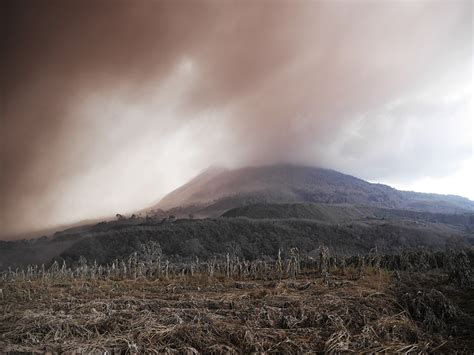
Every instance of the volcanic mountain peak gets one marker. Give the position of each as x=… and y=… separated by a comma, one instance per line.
x=217, y=189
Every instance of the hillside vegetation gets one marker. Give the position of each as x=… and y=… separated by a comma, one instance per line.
x=341, y=213
x=250, y=238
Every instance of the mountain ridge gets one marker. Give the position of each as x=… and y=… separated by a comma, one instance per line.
x=218, y=189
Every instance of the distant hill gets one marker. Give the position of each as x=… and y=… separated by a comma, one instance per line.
x=346, y=230
x=335, y=213
x=217, y=190
x=254, y=238
x=322, y=212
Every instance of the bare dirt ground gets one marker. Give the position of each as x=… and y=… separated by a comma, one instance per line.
x=220, y=315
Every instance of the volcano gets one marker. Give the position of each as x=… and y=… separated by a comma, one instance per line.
x=217, y=190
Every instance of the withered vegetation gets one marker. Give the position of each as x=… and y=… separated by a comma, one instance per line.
x=416, y=302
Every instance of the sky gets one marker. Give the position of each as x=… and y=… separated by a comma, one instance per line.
x=106, y=106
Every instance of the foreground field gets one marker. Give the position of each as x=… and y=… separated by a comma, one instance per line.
x=374, y=311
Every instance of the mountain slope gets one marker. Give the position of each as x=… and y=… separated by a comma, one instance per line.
x=218, y=190
x=253, y=238
x=336, y=213
x=343, y=228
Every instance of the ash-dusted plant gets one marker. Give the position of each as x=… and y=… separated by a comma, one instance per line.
x=324, y=264
x=150, y=251
x=459, y=269
x=431, y=308
x=294, y=263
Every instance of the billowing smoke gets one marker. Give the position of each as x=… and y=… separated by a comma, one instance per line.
x=107, y=105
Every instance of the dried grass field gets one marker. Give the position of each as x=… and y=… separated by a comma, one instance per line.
x=360, y=310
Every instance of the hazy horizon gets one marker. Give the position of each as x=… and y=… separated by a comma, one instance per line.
x=49, y=230
x=109, y=105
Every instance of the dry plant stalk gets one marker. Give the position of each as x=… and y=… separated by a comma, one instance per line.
x=293, y=304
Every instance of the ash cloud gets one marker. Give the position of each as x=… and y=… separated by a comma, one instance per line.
x=107, y=105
